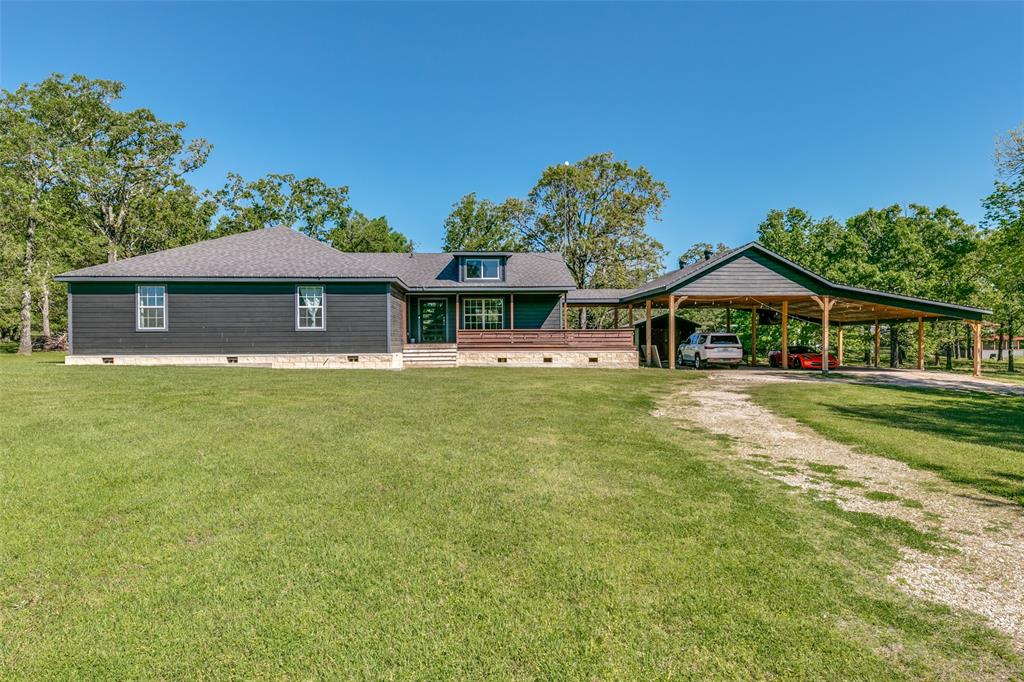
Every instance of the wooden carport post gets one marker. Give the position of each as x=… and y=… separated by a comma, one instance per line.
x=839, y=345
x=825, y=303
x=976, y=359
x=878, y=343
x=920, y=342
x=671, y=332
x=648, y=332
x=615, y=318
x=753, y=336
x=785, y=335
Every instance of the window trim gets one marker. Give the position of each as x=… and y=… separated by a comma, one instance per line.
x=481, y=259
x=138, y=308
x=323, y=308
x=464, y=307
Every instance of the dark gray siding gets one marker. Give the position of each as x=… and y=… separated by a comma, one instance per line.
x=538, y=311
x=746, y=276
x=395, y=302
x=216, y=318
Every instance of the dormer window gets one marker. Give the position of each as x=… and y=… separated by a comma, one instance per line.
x=483, y=268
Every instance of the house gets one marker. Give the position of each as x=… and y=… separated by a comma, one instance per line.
x=275, y=297
x=1013, y=345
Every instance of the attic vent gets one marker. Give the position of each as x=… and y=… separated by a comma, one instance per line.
x=108, y=361
x=353, y=358
x=547, y=359
x=232, y=360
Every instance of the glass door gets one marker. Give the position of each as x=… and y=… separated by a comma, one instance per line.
x=433, y=320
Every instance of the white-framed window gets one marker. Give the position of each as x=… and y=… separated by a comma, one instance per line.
x=151, y=308
x=483, y=268
x=309, y=308
x=483, y=313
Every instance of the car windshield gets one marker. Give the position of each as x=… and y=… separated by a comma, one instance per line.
x=724, y=339
x=801, y=350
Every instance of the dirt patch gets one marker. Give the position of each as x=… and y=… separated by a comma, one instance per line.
x=984, y=574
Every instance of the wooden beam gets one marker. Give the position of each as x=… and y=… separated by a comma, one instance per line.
x=648, y=333
x=753, y=336
x=839, y=345
x=511, y=311
x=976, y=360
x=785, y=335
x=671, y=332
x=920, y=342
x=825, y=303
x=878, y=344
x=458, y=320
x=565, y=312
x=630, y=308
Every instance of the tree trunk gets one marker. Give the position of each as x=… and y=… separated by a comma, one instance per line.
x=894, y=346
x=999, y=348
x=949, y=357
x=111, y=252
x=1009, y=332
x=45, y=307
x=25, y=342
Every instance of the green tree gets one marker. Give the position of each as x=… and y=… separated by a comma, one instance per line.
x=308, y=204
x=481, y=225
x=132, y=158
x=42, y=130
x=700, y=251
x=595, y=213
x=368, y=235
x=1004, y=253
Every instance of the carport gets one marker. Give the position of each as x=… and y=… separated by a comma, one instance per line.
x=754, y=278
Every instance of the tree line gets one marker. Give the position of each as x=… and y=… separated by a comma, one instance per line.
x=82, y=181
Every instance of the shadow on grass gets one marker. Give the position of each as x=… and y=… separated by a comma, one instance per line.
x=981, y=419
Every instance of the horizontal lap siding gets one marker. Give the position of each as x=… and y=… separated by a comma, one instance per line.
x=228, y=318
x=395, y=303
x=538, y=311
x=746, y=276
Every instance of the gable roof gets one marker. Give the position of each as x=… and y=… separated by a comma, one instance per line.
x=441, y=271
x=281, y=253
x=272, y=253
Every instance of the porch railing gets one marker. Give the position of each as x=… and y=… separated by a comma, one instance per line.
x=528, y=339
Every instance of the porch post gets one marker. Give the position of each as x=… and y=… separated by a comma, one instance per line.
x=920, y=342
x=511, y=311
x=878, y=343
x=405, y=321
x=671, y=332
x=785, y=335
x=648, y=332
x=826, y=305
x=456, y=319
x=565, y=311
x=976, y=360
x=753, y=336
x=615, y=318
x=839, y=345
x=630, y=308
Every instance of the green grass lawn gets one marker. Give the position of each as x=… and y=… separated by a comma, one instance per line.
x=971, y=438
x=179, y=523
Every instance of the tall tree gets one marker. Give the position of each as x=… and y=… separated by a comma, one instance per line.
x=700, y=251
x=132, y=158
x=368, y=235
x=307, y=204
x=481, y=225
x=595, y=213
x=42, y=128
x=1010, y=153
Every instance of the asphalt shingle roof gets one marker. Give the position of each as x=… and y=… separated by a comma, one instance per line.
x=281, y=252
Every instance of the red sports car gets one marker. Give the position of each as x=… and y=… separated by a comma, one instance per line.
x=802, y=357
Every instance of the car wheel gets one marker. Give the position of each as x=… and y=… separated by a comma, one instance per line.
x=679, y=358
x=696, y=362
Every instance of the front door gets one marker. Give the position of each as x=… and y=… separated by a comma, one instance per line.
x=433, y=320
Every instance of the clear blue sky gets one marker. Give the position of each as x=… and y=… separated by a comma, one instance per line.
x=739, y=108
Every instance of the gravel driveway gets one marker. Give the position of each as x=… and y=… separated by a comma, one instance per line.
x=984, y=575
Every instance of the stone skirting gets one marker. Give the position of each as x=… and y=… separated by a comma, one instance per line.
x=600, y=359
x=278, y=361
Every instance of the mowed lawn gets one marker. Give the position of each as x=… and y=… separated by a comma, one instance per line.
x=189, y=523
x=972, y=438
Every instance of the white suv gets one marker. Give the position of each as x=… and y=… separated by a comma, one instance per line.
x=710, y=348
